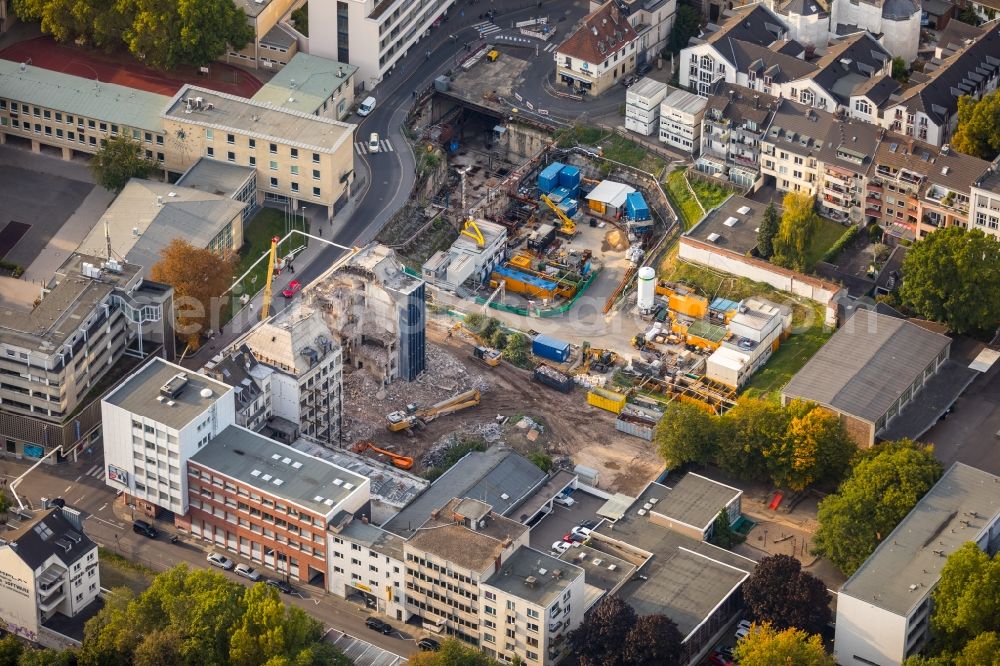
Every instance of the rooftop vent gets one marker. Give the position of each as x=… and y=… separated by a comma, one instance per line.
x=275, y=456
x=743, y=210
x=612, y=567
x=174, y=385
x=278, y=482
x=504, y=496
x=296, y=464
x=286, y=460
x=714, y=237
x=653, y=500
x=328, y=502
x=256, y=472
x=556, y=573
x=531, y=581
x=206, y=393
x=642, y=512
x=348, y=486
x=731, y=222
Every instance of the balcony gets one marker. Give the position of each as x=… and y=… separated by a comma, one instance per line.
x=873, y=200
x=875, y=187
x=947, y=199
x=48, y=603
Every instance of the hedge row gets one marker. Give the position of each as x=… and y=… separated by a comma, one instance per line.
x=841, y=243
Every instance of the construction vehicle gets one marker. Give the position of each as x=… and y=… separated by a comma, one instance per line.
x=472, y=231
x=402, y=462
x=482, y=351
x=405, y=420
x=568, y=226
x=266, y=305
x=599, y=360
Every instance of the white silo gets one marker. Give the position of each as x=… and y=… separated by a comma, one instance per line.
x=647, y=288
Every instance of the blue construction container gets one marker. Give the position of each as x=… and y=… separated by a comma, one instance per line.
x=548, y=179
x=569, y=177
x=545, y=346
x=635, y=207
x=559, y=193
x=569, y=206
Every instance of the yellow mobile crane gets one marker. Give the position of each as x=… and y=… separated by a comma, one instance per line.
x=398, y=421
x=266, y=305
x=568, y=227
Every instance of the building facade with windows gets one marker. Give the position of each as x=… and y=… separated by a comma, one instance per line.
x=681, y=115
x=370, y=562
x=313, y=85
x=985, y=201
x=48, y=568
x=154, y=421
x=601, y=52
x=273, y=44
x=372, y=34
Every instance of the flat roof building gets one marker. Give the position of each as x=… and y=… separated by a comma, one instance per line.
x=692, y=504
x=224, y=179
x=313, y=85
x=731, y=226
x=883, y=608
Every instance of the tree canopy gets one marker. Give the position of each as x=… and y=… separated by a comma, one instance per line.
x=687, y=24
x=884, y=484
x=766, y=646
x=767, y=230
x=781, y=594
x=453, y=652
x=798, y=223
x=613, y=635
x=119, y=159
x=199, y=276
x=201, y=617
x=953, y=276
x=978, y=131
x=161, y=33
x=967, y=598
x=686, y=433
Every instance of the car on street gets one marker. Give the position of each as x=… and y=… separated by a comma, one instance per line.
x=428, y=645
x=643, y=69
x=280, y=585
x=293, y=288
x=378, y=625
x=560, y=547
x=367, y=106
x=373, y=143
x=247, y=571
x=220, y=561
x=144, y=528
x=55, y=501
x=564, y=500
x=589, y=524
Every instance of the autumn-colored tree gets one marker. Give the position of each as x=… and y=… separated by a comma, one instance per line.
x=686, y=433
x=798, y=223
x=978, y=132
x=199, y=277
x=765, y=646
x=819, y=447
x=453, y=652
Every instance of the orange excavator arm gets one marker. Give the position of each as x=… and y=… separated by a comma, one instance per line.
x=402, y=462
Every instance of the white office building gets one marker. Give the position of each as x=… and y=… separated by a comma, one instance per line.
x=368, y=561
x=883, y=610
x=153, y=423
x=371, y=34
x=680, y=120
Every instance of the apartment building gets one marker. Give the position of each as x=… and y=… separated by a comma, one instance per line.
x=308, y=371
x=370, y=562
x=733, y=127
x=601, y=52
x=48, y=571
x=269, y=503
x=273, y=44
x=251, y=382
x=94, y=318
x=529, y=606
x=448, y=558
x=312, y=85
x=349, y=30
x=984, y=199
x=300, y=159
x=154, y=421
x=755, y=332
x=652, y=22
x=681, y=115
x=883, y=610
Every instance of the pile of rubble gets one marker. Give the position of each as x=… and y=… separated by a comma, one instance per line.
x=366, y=401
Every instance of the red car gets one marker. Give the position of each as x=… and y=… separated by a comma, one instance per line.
x=574, y=537
x=719, y=659
x=293, y=288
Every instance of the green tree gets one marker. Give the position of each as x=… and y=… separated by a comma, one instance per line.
x=900, y=70
x=723, y=534
x=765, y=646
x=542, y=460
x=654, y=640
x=781, y=594
x=767, y=230
x=884, y=484
x=752, y=439
x=966, y=603
x=518, y=350
x=598, y=641
x=119, y=159
x=10, y=650
x=978, y=131
x=300, y=19
x=46, y=657
x=4, y=502
x=453, y=652
x=798, y=223
x=983, y=650
x=687, y=24
x=953, y=276
x=686, y=433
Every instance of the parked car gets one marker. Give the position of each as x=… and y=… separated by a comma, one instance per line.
x=564, y=500
x=367, y=106
x=220, y=561
x=719, y=659
x=55, y=501
x=644, y=69
x=379, y=625
x=583, y=531
x=373, y=145
x=589, y=524
x=573, y=537
x=742, y=629
x=293, y=288
x=560, y=547
x=144, y=528
x=280, y=585
x=247, y=571
x=428, y=645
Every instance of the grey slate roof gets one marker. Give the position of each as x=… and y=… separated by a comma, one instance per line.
x=899, y=10
x=803, y=8
x=779, y=66
x=867, y=365
x=755, y=24
x=864, y=55
x=48, y=533
x=878, y=89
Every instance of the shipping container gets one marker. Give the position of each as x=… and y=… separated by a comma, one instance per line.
x=569, y=177
x=635, y=207
x=642, y=115
x=645, y=129
x=551, y=348
x=569, y=207
x=553, y=378
x=638, y=421
x=646, y=93
x=612, y=401
x=548, y=179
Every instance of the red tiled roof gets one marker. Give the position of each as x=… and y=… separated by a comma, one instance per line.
x=603, y=33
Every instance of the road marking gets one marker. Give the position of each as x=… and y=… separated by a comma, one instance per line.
x=68, y=488
x=551, y=47
x=91, y=470
x=386, y=146
x=489, y=29
x=80, y=501
x=98, y=473
x=78, y=479
x=106, y=522
x=103, y=507
x=360, y=147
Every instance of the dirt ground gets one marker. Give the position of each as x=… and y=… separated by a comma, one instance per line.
x=570, y=427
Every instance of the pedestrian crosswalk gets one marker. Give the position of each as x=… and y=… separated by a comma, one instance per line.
x=487, y=28
x=96, y=471
x=385, y=146
x=551, y=47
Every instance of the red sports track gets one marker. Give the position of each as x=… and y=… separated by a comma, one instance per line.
x=121, y=69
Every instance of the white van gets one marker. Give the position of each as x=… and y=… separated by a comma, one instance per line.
x=367, y=106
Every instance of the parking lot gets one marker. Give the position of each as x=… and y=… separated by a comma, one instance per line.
x=563, y=519
x=363, y=653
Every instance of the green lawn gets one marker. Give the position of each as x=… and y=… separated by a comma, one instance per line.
x=827, y=233
x=267, y=223
x=118, y=571
x=709, y=194
x=614, y=147
x=789, y=359
x=682, y=200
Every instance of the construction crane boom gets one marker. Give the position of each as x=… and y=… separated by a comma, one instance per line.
x=402, y=462
x=568, y=227
x=266, y=305
x=398, y=421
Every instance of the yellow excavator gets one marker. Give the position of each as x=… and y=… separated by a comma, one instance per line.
x=402, y=462
x=481, y=351
x=568, y=226
x=405, y=420
x=271, y=260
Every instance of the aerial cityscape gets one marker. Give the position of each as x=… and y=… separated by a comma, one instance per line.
x=484, y=332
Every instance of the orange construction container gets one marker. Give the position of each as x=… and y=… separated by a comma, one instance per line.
x=691, y=305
